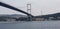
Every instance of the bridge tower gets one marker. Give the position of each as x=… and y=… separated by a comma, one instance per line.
x=29, y=11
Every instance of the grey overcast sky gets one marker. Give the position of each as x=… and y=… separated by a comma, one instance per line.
x=38, y=6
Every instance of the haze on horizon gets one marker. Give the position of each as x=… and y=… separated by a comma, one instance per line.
x=38, y=6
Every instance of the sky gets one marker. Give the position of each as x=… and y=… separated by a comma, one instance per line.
x=39, y=7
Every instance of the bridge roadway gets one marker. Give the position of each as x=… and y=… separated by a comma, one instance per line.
x=13, y=8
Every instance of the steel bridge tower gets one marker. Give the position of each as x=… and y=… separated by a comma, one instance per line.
x=29, y=11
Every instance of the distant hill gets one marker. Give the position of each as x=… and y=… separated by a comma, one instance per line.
x=50, y=15
x=53, y=15
x=12, y=16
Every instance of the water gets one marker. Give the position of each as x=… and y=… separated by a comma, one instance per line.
x=31, y=25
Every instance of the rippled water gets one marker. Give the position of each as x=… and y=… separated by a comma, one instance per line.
x=31, y=25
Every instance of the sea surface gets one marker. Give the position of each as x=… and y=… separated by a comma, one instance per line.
x=30, y=25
